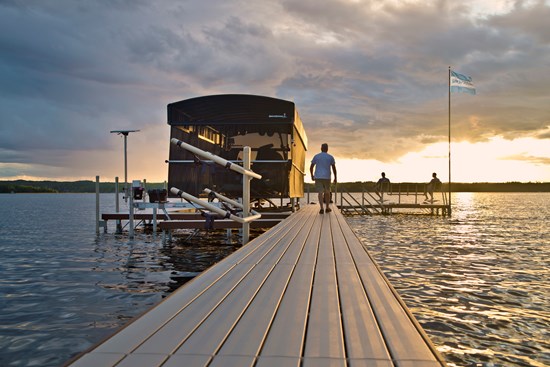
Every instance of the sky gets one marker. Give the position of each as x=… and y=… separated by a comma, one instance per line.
x=370, y=78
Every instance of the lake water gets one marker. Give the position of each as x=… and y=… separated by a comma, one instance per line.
x=478, y=282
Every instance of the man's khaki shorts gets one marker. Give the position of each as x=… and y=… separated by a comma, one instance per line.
x=322, y=185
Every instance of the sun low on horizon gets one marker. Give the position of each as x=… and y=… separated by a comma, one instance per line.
x=496, y=160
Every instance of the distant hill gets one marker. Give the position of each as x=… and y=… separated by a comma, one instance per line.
x=23, y=186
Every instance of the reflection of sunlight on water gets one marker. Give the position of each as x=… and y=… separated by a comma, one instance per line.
x=478, y=282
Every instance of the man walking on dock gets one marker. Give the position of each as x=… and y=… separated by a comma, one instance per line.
x=322, y=163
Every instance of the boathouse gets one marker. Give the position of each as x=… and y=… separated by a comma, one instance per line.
x=223, y=125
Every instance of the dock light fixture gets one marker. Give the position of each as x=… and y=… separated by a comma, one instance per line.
x=125, y=134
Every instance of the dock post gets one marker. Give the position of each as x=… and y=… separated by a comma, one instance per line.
x=399, y=193
x=246, y=194
x=131, y=213
x=341, y=197
x=154, y=222
x=228, y=235
x=97, y=205
x=117, y=205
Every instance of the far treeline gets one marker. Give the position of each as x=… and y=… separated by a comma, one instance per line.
x=455, y=187
x=23, y=186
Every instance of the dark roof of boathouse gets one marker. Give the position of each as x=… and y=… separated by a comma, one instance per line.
x=231, y=108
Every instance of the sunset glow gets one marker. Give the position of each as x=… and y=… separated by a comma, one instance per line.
x=497, y=160
x=369, y=78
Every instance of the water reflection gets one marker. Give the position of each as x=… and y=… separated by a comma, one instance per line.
x=145, y=265
x=478, y=282
x=63, y=289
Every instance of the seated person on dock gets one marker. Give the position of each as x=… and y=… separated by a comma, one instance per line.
x=433, y=185
x=382, y=185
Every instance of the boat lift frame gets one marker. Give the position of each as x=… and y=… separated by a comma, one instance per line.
x=248, y=215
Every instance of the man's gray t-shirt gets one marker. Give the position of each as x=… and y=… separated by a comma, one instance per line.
x=323, y=162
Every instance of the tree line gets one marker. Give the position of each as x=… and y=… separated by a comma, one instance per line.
x=23, y=186
x=404, y=187
x=88, y=186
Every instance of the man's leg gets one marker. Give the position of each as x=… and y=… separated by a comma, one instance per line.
x=327, y=198
x=320, y=194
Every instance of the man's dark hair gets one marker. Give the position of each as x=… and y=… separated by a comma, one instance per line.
x=324, y=147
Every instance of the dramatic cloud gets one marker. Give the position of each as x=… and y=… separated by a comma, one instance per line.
x=369, y=77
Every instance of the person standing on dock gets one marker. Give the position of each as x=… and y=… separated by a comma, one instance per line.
x=434, y=184
x=383, y=184
x=322, y=163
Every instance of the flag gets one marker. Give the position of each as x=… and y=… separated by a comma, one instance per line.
x=461, y=83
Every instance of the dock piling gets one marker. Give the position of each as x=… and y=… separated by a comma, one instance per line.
x=97, y=204
x=98, y=222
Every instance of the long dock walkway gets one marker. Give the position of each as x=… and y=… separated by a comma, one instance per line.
x=305, y=293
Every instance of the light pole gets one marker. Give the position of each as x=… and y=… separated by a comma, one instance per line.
x=125, y=133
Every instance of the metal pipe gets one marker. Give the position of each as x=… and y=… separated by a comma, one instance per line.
x=215, y=158
x=204, y=204
x=172, y=161
x=97, y=205
x=131, y=214
x=117, y=206
x=246, y=194
x=125, y=168
x=228, y=200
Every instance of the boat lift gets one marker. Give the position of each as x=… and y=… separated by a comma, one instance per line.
x=248, y=215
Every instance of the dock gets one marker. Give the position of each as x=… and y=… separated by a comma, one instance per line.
x=304, y=293
x=407, y=198
x=173, y=220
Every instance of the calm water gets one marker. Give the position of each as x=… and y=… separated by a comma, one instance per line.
x=479, y=282
x=62, y=289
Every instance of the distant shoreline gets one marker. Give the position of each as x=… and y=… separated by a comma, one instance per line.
x=85, y=186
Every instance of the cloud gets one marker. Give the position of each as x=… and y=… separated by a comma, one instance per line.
x=369, y=77
x=528, y=158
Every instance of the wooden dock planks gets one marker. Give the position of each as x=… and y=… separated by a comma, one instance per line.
x=305, y=293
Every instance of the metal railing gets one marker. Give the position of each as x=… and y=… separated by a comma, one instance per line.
x=382, y=199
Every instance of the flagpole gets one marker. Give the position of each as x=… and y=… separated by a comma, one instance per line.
x=449, y=91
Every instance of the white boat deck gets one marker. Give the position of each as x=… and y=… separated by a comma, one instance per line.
x=305, y=293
